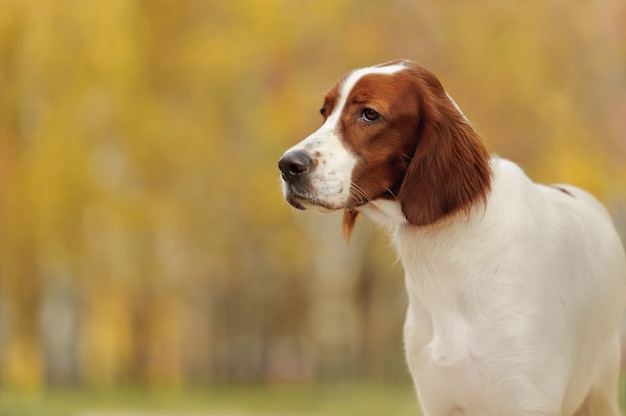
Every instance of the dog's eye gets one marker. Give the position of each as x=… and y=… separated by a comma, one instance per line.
x=370, y=115
x=323, y=111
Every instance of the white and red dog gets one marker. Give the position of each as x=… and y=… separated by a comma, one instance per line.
x=515, y=289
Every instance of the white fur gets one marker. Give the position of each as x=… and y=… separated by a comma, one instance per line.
x=513, y=309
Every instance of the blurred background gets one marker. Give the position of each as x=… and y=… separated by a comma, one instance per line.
x=144, y=237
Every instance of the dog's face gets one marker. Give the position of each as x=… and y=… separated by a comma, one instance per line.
x=390, y=132
x=360, y=152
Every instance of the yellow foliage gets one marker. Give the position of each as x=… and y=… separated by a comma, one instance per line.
x=22, y=364
x=139, y=188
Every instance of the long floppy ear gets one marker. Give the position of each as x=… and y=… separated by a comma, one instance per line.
x=450, y=168
x=349, y=220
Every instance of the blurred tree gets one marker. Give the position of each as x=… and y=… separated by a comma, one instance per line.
x=143, y=233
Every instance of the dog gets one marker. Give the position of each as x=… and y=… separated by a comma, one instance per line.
x=515, y=289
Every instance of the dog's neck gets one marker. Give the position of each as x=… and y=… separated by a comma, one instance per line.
x=387, y=213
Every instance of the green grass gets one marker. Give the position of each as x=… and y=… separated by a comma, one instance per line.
x=622, y=393
x=341, y=399
x=327, y=399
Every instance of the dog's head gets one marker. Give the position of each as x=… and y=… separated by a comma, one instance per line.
x=390, y=132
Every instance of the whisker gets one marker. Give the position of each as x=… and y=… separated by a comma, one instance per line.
x=392, y=194
x=359, y=194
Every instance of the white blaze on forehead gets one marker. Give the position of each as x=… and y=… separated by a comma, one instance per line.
x=354, y=77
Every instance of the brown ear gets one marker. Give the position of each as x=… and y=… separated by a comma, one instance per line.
x=450, y=168
x=349, y=220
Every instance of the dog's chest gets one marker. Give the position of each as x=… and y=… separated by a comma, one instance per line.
x=448, y=331
x=445, y=315
x=440, y=325
x=448, y=355
x=460, y=328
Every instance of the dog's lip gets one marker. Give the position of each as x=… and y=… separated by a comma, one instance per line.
x=295, y=202
x=303, y=202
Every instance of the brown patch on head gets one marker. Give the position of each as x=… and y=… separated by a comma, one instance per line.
x=384, y=146
x=421, y=150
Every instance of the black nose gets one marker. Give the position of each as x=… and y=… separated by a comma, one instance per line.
x=294, y=163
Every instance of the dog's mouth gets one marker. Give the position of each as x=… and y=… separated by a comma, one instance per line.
x=295, y=202
x=304, y=201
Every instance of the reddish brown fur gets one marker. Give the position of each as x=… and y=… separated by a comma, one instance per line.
x=330, y=100
x=349, y=220
x=422, y=152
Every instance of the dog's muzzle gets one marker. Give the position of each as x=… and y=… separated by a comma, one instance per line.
x=294, y=167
